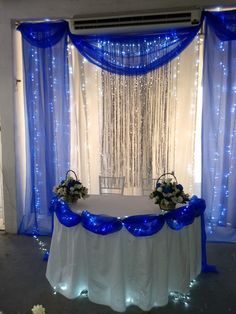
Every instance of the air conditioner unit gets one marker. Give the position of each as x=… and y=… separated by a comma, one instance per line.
x=134, y=23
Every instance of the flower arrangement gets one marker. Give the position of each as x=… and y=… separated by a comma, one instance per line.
x=70, y=189
x=167, y=193
x=38, y=309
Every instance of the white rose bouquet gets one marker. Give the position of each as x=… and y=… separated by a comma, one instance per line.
x=167, y=193
x=70, y=189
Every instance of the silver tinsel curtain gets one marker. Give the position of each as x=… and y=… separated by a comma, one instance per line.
x=136, y=127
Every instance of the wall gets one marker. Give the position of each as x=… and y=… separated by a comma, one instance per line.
x=31, y=9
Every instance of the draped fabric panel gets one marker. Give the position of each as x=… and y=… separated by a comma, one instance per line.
x=223, y=24
x=43, y=35
x=47, y=121
x=134, y=54
x=219, y=126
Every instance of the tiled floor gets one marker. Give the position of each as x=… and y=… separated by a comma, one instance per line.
x=23, y=283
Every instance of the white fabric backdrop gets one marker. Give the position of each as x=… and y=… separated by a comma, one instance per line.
x=169, y=100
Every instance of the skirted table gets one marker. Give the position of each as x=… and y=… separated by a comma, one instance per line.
x=123, y=250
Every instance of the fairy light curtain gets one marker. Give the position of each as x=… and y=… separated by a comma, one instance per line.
x=86, y=100
x=219, y=126
x=132, y=126
x=47, y=123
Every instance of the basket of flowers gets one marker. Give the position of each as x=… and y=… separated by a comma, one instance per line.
x=168, y=192
x=71, y=189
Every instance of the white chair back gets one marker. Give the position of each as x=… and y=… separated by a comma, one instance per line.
x=111, y=185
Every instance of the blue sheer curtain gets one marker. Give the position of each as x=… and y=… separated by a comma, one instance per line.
x=134, y=54
x=219, y=126
x=47, y=121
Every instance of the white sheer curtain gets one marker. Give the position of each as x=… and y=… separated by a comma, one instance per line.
x=137, y=126
x=85, y=81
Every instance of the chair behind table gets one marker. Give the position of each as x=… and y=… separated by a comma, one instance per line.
x=111, y=185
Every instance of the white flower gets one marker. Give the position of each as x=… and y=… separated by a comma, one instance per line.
x=78, y=186
x=55, y=191
x=159, y=189
x=180, y=199
x=164, y=202
x=60, y=190
x=174, y=199
x=167, y=181
x=38, y=309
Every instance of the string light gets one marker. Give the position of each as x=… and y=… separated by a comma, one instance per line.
x=223, y=142
x=42, y=247
x=85, y=106
x=176, y=297
x=183, y=298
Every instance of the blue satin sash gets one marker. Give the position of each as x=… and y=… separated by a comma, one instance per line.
x=138, y=225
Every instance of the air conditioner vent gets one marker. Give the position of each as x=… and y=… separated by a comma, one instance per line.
x=134, y=22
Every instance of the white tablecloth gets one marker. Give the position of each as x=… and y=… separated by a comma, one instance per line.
x=117, y=205
x=119, y=269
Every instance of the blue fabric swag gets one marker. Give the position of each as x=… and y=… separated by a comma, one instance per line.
x=138, y=225
x=134, y=54
x=223, y=24
x=126, y=54
x=44, y=34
